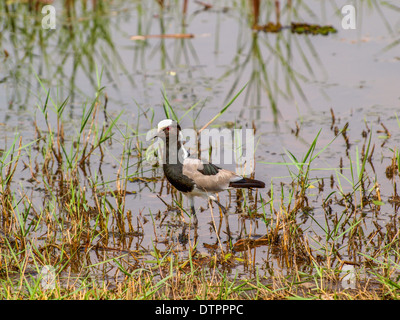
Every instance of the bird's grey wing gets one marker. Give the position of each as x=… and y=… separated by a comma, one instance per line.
x=208, y=176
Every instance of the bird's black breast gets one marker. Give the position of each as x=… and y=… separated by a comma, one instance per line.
x=174, y=175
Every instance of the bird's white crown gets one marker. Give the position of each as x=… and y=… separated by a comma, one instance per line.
x=166, y=123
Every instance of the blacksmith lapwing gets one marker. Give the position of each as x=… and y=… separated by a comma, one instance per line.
x=195, y=177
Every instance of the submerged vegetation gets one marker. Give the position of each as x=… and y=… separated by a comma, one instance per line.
x=85, y=216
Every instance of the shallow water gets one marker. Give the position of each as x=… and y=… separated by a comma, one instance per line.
x=353, y=72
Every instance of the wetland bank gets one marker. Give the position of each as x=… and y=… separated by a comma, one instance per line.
x=86, y=215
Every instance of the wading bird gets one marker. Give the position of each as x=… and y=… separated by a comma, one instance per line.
x=195, y=177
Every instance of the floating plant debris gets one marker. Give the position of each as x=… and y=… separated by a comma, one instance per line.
x=313, y=29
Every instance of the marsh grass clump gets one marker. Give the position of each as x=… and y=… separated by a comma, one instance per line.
x=297, y=240
x=65, y=214
x=84, y=216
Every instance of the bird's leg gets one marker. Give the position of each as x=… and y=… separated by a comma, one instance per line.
x=183, y=238
x=193, y=211
x=228, y=231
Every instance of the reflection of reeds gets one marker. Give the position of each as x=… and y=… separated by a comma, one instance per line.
x=256, y=9
x=262, y=82
x=265, y=62
x=173, y=47
x=82, y=39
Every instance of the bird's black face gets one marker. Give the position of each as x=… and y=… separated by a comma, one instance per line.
x=170, y=134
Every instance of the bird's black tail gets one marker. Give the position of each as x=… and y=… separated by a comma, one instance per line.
x=247, y=183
